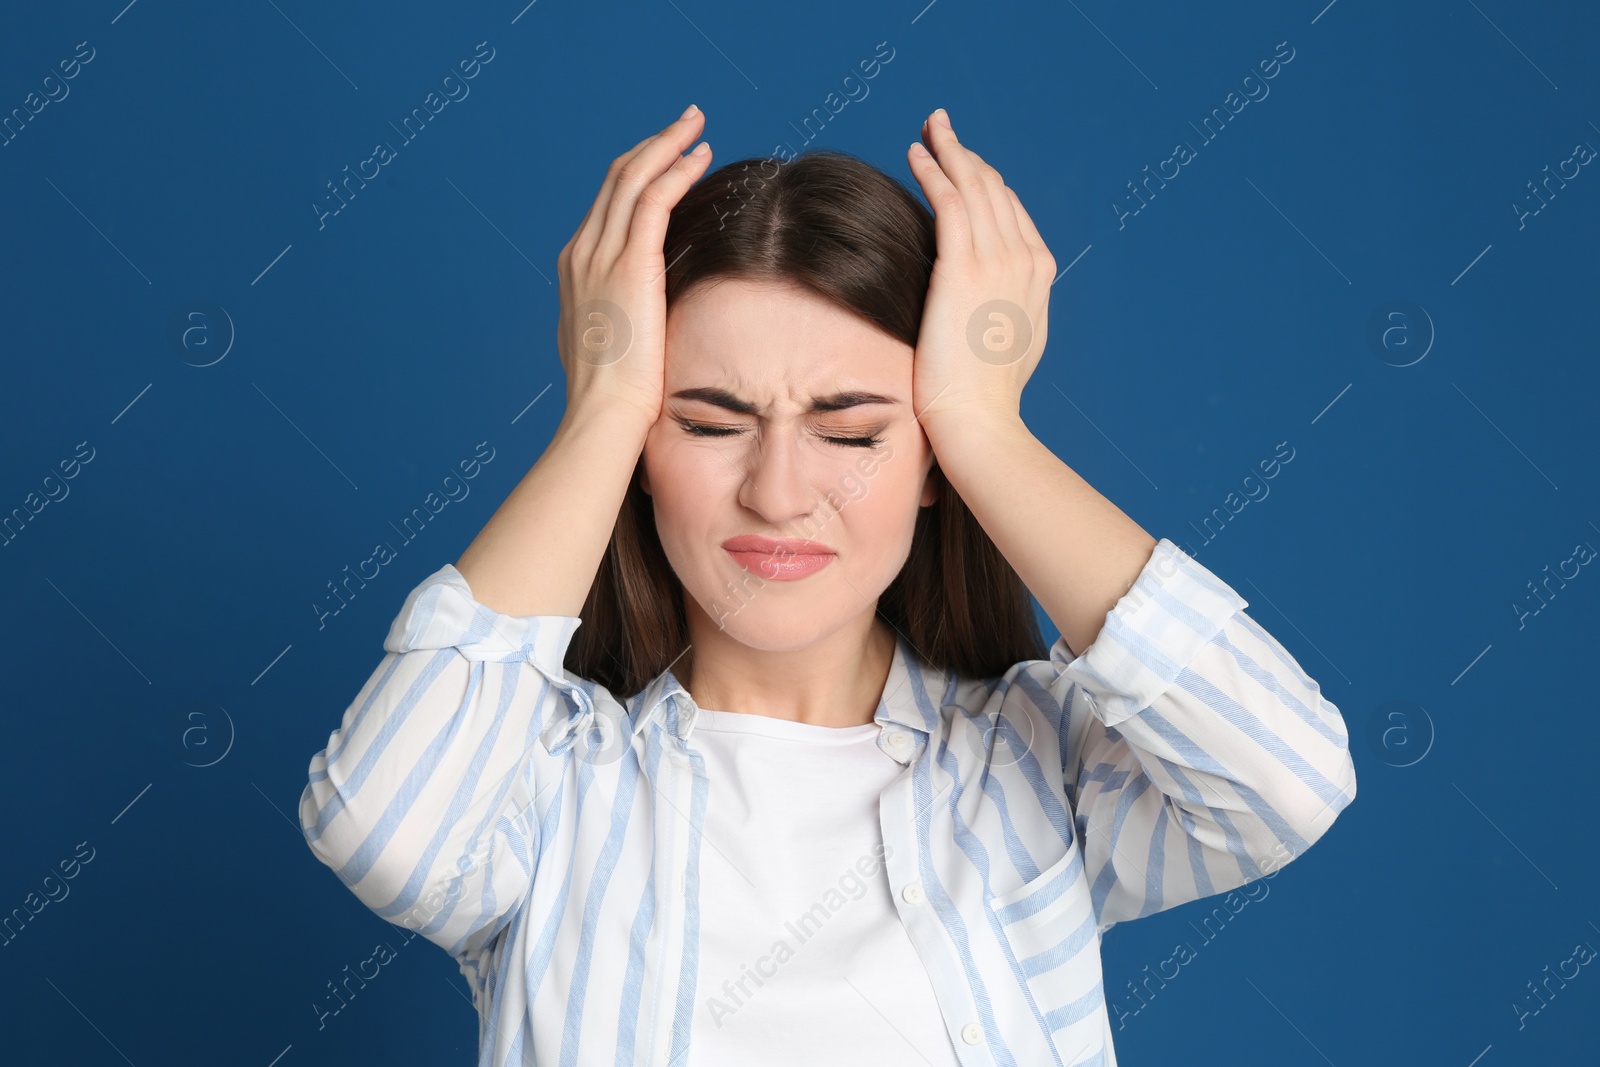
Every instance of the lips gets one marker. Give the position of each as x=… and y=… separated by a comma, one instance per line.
x=766, y=546
x=783, y=560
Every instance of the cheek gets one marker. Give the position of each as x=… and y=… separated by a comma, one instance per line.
x=876, y=496
x=889, y=477
x=685, y=482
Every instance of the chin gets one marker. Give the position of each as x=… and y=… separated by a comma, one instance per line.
x=772, y=626
x=774, y=635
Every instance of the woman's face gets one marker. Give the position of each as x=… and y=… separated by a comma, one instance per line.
x=742, y=449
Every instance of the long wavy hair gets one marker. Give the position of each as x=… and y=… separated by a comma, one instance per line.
x=852, y=234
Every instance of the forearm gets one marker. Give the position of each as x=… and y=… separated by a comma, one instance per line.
x=1074, y=549
x=539, y=553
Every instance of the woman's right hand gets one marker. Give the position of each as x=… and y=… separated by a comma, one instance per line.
x=613, y=279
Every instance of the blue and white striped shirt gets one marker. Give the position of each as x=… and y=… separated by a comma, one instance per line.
x=548, y=835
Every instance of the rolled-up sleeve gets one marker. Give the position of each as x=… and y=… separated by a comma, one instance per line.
x=1198, y=755
x=424, y=800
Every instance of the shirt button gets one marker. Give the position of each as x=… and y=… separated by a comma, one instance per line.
x=913, y=893
x=898, y=742
x=972, y=1033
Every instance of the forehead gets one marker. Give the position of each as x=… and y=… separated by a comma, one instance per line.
x=770, y=340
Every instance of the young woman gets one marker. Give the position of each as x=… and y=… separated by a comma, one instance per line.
x=731, y=739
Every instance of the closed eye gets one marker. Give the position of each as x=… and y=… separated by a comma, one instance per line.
x=701, y=430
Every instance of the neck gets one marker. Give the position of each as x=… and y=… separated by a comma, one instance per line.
x=837, y=681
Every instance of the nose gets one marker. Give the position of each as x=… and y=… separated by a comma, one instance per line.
x=778, y=483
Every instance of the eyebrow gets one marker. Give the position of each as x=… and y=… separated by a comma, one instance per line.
x=819, y=404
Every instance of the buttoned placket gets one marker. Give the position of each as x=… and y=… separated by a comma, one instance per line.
x=897, y=815
x=672, y=795
x=899, y=742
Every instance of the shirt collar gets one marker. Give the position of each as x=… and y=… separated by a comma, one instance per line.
x=912, y=696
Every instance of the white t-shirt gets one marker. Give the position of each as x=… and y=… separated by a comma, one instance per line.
x=803, y=958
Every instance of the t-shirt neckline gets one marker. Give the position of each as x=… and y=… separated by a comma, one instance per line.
x=783, y=729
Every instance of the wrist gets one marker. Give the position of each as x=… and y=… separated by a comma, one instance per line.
x=626, y=420
x=969, y=450
x=961, y=428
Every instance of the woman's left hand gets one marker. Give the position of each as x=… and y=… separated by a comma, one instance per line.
x=983, y=326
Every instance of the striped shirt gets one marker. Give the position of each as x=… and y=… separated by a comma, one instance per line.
x=548, y=835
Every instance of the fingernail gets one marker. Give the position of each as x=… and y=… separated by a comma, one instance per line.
x=916, y=146
x=690, y=110
x=700, y=149
x=942, y=116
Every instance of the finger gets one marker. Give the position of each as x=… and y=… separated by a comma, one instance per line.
x=648, y=228
x=1031, y=236
x=591, y=229
x=587, y=236
x=963, y=170
x=1005, y=216
x=951, y=228
x=635, y=174
x=1030, y=233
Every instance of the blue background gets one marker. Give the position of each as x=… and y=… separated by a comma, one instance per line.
x=167, y=678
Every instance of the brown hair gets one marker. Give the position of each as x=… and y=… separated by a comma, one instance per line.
x=850, y=233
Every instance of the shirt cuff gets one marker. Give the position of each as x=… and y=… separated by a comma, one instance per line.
x=1174, y=609
x=442, y=613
